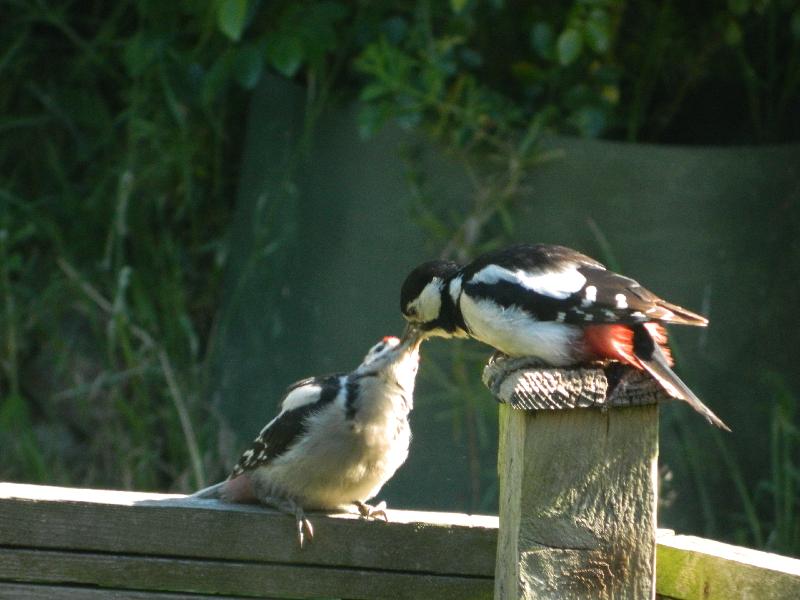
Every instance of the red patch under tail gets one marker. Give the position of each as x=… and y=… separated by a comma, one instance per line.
x=616, y=342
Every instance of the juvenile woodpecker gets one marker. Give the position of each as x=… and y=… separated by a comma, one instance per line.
x=551, y=303
x=335, y=442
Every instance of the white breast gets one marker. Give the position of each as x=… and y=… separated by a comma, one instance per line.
x=343, y=460
x=515, y=333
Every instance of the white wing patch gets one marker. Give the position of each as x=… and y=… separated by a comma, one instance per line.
x=556, y=284
x=301, y=396
x=622, y=301
x=591, y=296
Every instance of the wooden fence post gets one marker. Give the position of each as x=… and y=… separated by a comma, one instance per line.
x=578, y=476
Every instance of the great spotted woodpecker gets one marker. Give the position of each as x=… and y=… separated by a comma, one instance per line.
x=335, y=442
x=551, y=303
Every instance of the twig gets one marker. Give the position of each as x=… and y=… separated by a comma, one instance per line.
x=166, y=366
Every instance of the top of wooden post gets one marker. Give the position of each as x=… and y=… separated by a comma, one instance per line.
x=526, y=384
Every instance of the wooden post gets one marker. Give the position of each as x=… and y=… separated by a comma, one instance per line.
x=578, y=467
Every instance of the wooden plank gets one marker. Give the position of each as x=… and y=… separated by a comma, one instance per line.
x=163, y=525
x=233, y=577
x=577, y=503
x=27, y=591
x=96, y=524
x=690, y=567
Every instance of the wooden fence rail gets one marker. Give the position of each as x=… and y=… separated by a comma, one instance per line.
x=63, y=543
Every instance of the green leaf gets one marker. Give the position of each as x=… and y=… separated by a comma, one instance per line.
x=285, y=53
x=569, y=46
x=140, y=52
x=458, y=5
x=372, y=91
x=739, y=7
x=795, y=24
x=217, y=78
x=231, y=17
x=248, y=64
x=597, y=34
x=733, y=33
x=542, y=38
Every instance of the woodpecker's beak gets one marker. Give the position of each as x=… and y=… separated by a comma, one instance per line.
x=411, y=336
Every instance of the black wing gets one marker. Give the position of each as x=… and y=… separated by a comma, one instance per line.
x=605, y=297
x=282, y=432
x=620, y=299
x=530, y=257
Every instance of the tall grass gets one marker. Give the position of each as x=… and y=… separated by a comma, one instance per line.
x=117, y=187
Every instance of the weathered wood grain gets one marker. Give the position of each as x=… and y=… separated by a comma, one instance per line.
x=232, y=577
x=161, y=525
x=70, y=544
x=525, y=384
x=577, y=503
x=27, y=591
x=690, y=567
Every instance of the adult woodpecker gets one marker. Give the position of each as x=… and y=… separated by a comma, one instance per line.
x=335, y=442
x=551, y=303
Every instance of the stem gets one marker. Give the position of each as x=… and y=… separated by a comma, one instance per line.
x=185, y=419
x=10, y=317
x=738, y=481
x=166, y=367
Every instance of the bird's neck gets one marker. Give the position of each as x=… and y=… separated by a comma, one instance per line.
x=450, y=318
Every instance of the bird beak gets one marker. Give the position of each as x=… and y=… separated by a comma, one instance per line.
x=411, y=336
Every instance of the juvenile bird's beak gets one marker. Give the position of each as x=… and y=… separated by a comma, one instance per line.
x=411, y=336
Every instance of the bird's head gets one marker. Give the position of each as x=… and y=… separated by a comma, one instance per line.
x=401, y=357
x=380, y=351
x=424, y=298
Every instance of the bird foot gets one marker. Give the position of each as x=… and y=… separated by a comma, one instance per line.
x=500, y=365
x=304, y=527
x=305, y=531
x=372, y=512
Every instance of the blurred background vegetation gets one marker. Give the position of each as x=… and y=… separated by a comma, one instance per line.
x=201, y=202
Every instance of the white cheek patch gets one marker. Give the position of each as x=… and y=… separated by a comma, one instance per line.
x=622, y=301
x=455, y=288
x=556, y=284
x=428, y=304
x=306, y=394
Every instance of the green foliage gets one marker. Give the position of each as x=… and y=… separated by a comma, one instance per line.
x=231, y=17
x=636, y=71
x=114, y=200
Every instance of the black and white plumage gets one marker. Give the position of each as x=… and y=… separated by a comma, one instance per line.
x=335, y=442
x=551, y=303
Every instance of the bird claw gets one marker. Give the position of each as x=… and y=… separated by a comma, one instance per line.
x=304, y=527
x=372, y=512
